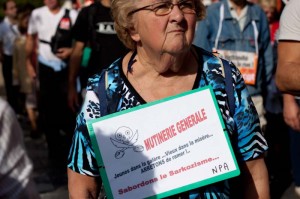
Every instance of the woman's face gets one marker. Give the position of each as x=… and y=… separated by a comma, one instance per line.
x=171, y=33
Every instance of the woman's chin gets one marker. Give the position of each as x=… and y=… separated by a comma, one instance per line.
x=176, y=48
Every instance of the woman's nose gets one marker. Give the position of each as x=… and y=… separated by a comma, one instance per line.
x=176, y=12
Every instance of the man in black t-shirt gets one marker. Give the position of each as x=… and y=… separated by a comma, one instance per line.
x=93, y=30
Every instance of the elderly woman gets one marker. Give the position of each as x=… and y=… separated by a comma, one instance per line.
x=162, y=63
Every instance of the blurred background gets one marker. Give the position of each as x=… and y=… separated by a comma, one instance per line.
x=36, y=3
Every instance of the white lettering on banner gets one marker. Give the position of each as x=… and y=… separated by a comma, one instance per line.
x=106, y=28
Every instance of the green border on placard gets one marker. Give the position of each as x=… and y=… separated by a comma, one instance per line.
x=100, y=162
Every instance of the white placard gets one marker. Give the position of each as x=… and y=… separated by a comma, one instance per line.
x=164, y=147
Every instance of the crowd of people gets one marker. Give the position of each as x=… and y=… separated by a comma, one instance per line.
x=54, y=58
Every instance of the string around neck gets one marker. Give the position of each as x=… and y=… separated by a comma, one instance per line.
x=131, y=62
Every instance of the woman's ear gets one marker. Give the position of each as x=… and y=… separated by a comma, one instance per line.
x=134, y=33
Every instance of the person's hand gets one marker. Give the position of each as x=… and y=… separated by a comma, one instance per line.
x=291, y=112
x=63, y=53
x=31, y=71
x=73, y=101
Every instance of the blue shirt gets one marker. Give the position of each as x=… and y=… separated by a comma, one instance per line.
x=232, y=38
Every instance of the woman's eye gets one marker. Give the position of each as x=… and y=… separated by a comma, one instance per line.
x=162, y=6
x=187, y=5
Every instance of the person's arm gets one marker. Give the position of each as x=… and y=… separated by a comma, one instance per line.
x=29, y=53
x=291, y=112
x=255, y=179
x=250, y=152
x=1, y=44
x=266, y=51
x=15, y=58
x=287, y=74
x=74, y=67
x=1, y=52
x=83, y=173
x=82, y=186
x=81, y=38
x=64, y=53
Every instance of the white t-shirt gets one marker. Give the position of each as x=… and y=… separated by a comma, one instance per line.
x=289, y=28
x=44, y=23
x=8, y=34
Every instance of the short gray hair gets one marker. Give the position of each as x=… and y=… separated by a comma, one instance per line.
x=123, y=22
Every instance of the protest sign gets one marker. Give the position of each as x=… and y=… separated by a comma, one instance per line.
x=245, y=61
x=164, y=147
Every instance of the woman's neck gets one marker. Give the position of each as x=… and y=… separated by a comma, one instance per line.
x=157, y=78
